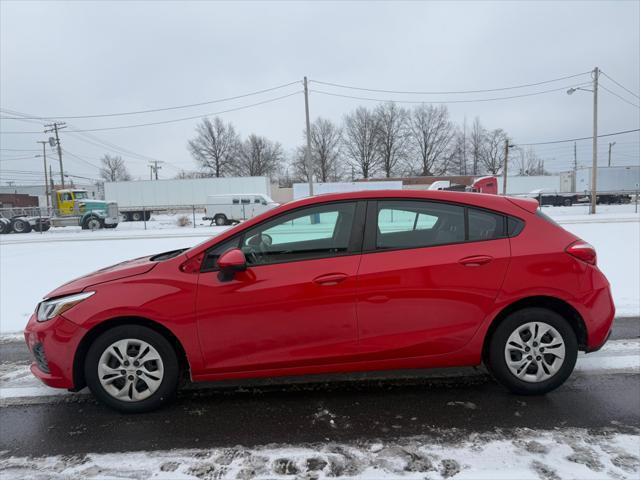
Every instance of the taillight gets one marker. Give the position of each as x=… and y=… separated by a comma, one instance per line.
x=582, y=251
x=192, y=265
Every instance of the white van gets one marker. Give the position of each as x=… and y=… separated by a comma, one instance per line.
x=226, y=209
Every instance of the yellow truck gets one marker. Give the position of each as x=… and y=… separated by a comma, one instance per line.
x=71, y=207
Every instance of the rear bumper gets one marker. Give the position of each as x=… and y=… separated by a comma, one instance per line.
x=598, y=312
x=52, y=345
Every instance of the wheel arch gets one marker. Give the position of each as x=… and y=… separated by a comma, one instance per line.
x=554, y=304
x=79, y=381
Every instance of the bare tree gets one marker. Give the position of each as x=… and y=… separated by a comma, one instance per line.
x=391, y=136
x=360, y=129
x=215, y=146
x=113, y=169
x=431, y=134
x=258, y=156
x=476, y=141
x=299, y=166
x=529, y=163
x=185, y=174
x=492, y=154
x=457, y=158
x=326, y=142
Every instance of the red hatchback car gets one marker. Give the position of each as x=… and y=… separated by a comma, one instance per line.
x=335, y=283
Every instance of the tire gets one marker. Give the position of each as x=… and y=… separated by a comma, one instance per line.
x=220, y=220
x=543, y=375
x=137, y=216
x=92, y=223
x=126, y=216
x=5, y=226
x=567, y=202
x=41, y=226
x=20, y=225
x=101, y=353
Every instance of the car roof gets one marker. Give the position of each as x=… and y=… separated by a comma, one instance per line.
x=490, y=201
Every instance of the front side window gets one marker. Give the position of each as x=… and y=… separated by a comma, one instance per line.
x=415, y=224
x=305, y=234
x=213, y=254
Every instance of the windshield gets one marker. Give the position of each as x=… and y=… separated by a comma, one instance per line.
x=80, y=195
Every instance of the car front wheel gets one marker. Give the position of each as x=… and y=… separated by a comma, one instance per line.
x=533, y=351
x=132, y=369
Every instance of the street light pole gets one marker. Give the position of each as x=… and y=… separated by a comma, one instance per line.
x=308, y=152
x=594, y=167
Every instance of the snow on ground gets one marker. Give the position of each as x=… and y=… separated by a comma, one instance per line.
x=31, y=265
x=569, y=453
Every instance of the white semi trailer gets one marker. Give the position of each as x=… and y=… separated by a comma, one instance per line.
x=138, y=199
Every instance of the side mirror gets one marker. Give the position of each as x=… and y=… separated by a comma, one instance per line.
x=232, y=261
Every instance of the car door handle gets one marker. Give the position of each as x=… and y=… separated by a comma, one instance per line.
x=475, y=261
x=330, y=279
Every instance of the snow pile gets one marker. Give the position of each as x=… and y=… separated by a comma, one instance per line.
x=522, y=454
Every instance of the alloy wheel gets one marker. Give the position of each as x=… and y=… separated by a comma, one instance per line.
x=534, y=352
x=130, y=370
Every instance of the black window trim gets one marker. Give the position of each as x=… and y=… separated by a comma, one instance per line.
x=355, y=239
x=371, y=227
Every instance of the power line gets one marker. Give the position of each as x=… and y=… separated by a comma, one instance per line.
x=621, y=86
x=152, y=110
x=578, y=139
x=445, y=101
x=244, y=107
x=350, y=87
x=20, y=149
x=620, y=97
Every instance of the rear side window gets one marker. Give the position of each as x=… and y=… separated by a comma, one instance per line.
x=485, y=225
x=415, y=224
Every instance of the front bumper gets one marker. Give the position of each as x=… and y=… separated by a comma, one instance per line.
x=53, y=345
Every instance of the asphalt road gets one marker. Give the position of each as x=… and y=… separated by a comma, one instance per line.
x=370, y=408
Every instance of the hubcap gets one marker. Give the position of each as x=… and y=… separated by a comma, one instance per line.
x=122, y=379
x=94, y=224
x=534, y=352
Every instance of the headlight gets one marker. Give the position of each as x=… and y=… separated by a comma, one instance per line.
x=50, y=308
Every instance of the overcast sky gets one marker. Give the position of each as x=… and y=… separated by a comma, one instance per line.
x=84, y=58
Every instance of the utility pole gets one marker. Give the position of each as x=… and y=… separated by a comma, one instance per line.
x=611, y=144
x=575, y=166
x=154, y=167
x=54, y=127
x=506, y=163
x=308, y=152
x=594, y=167
x=46, y=178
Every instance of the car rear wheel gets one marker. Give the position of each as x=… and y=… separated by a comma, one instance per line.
x=132, y=369
x=533, y=351
x=220, y=220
